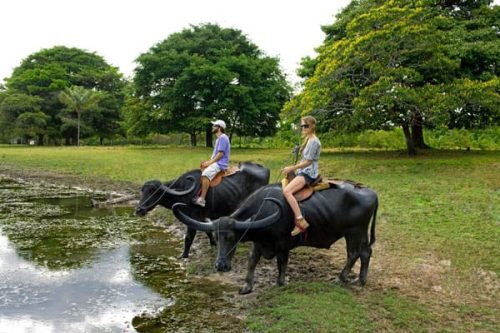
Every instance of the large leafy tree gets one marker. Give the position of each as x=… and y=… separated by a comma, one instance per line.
x=46, y=73
x=206, y=72
x=402, y=63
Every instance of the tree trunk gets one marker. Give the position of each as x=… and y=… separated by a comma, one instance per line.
x=409, y=141
x=193, y=139
x=78, y=130
x=417, y=134
x=40, y=139
x=209, y=137
x=101, y=140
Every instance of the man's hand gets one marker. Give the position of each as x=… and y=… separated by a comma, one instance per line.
x=205, y=164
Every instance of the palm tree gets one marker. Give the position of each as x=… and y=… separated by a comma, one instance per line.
x=79, y=99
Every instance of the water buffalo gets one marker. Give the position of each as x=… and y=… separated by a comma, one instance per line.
x=265, y=218
x=221, y=200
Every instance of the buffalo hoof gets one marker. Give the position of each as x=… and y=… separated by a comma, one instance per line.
x=358, y=282
x=341, y=281
x=246, y=289
x=183, y=256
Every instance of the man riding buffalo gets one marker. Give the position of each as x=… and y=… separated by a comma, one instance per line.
x=220, y=200
x=344, y=209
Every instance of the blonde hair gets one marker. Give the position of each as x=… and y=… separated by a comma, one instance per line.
x=311, y=121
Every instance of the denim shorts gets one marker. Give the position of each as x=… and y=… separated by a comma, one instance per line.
x=211, y=171
x=309, y=180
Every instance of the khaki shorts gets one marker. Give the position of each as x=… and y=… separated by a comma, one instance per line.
x=210, y=171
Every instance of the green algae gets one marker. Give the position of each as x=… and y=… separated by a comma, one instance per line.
x=58, y=229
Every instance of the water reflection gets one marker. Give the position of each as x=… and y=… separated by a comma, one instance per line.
x=101, y=297
x=66, y=266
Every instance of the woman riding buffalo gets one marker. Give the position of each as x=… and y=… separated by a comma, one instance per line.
x=306, y=170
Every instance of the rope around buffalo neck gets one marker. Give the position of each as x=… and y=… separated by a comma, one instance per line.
x=244, y=233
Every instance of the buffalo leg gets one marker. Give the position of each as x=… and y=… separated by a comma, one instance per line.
x=282, y=260
x=212, y=239
x=352, y=246
x=253, y=260
x=188, y=241
x=365, y=255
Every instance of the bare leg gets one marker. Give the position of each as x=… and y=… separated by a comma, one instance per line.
x=205, y=183
x=295, y=185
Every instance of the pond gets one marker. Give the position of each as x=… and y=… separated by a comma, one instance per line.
x=67, y=266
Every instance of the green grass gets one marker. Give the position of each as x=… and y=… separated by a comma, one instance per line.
x=438, y=206
x=397, y=314
x=312, y=307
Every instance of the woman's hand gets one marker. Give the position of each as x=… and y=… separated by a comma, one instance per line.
x=287, y=169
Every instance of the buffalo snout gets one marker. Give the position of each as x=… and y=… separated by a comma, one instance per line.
x=140, y=211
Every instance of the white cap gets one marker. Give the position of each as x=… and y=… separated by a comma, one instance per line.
x=219, y=123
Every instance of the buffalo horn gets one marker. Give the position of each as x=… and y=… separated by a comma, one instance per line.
x=263, y=223
x=190, y=222
x=179, y=193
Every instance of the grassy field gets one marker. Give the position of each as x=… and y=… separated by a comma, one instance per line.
x=436, y=262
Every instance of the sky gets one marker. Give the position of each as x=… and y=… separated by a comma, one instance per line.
x=120, y=30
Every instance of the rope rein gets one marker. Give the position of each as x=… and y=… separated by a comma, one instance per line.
x=246, y=230
x=161, y=196
x=294, y=156
x=154, y=203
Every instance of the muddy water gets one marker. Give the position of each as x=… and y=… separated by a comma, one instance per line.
x=68, y=267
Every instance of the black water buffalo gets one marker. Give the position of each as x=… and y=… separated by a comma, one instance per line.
x=265, y=218
x=221, y=200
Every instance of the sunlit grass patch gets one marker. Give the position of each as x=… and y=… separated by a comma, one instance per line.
x=309, y=307
x=393, y=313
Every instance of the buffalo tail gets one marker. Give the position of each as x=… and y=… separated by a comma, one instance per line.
x=372, y=230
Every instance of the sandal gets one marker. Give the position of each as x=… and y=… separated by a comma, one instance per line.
x=300, y=226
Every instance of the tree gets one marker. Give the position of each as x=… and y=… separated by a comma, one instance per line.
x=32, y=124
x=206, y=72
x=396, y=63
x=79, y=99
x=46, y=73
x=12, y=122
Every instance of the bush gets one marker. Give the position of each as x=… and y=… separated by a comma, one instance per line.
x=488, y=138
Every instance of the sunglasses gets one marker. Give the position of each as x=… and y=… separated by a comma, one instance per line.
x=304, y=126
